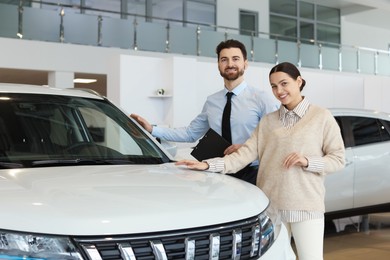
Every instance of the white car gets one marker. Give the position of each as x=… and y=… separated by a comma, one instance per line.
x=80, y=180
x=363, y=186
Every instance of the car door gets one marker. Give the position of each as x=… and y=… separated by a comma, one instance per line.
x=371, y=151
x=339, y=185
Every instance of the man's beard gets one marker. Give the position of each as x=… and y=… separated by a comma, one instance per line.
x=232, y=77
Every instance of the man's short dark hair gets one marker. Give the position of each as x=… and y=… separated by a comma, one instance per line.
x=231, y=44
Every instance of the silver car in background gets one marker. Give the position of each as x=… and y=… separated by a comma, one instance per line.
x=363, y=186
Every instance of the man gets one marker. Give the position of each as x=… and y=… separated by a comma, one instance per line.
x=248, y=105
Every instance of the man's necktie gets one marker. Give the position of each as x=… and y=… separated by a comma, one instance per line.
x=226, y=132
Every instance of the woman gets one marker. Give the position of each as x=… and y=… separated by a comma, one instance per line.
x=297, y=146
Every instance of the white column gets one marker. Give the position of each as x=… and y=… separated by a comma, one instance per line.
x=61, y=79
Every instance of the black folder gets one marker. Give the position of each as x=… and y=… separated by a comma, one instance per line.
x=211, y=145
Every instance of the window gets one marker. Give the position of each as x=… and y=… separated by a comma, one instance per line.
x=191, y=12
x=96, y=7
x=69, y=6
x=167, y=9
x=340, y=123
x=16, y=2
x=110, y=8
x=201, y=12
x=187, y=12
x=384, y=128
x=305, y=21
x=248, y=23
x=285, y=7
x=136, y=7
x=328, y=33
x=306, y=31
x=368, y=130
x=283, y=26
x=306, y=10
x=328, y=15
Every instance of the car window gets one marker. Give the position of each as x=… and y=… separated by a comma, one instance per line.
x=384, y=127
x=339, y=122
x=42, y=129
x=105, y=131
x=368, y=130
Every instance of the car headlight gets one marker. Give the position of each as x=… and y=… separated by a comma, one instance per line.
x=262, y=235
x=36, y=247
x=267, y=233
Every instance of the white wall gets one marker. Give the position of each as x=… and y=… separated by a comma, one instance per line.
x=377, y=93
x=228, y=12
x=367, y=29
x=48, y=56
x=374, y=37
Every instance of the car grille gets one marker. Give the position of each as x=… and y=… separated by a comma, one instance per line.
x=236, y=240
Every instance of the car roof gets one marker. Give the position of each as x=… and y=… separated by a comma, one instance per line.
x=35, y=89
x=359, y=112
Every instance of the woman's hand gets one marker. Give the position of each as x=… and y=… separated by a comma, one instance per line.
x=295, y=159
x=193, y=165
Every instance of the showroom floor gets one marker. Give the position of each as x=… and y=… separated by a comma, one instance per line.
x=371, y=243
x=358, y=246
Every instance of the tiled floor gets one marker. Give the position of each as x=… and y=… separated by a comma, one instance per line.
x=370, y=244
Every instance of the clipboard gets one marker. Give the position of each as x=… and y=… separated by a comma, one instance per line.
x=211, y=145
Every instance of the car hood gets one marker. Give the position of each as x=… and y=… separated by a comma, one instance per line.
x=121, y=199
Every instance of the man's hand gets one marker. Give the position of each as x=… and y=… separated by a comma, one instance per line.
x=232, y=149
x=193, y=165
x=143, y=122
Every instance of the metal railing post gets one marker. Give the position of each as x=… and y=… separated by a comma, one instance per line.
x=62, y=29
x=100, y=23
x=20, y=20
x=167, y=43
x=198, y=51
x=252, y=46
x=135, y=24
x=340, y=59
x=320, y=66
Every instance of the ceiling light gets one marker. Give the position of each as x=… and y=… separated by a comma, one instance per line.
x=84, y=81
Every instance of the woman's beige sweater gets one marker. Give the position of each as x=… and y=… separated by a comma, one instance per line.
x=316, y=134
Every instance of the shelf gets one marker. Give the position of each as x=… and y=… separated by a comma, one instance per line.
x=161, y=96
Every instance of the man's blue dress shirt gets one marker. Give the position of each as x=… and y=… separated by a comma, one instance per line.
x=249, y=104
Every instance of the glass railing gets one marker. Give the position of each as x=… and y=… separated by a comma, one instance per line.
x=172, y=36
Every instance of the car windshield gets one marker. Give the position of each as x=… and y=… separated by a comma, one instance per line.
x=47, y=130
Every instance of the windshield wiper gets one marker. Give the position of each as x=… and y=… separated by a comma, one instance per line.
x=9, y=165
